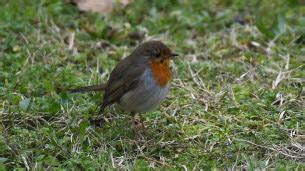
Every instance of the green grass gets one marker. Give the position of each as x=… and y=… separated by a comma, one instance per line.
x=237, y=99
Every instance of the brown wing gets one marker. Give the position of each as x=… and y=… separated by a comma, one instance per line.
x=123, y=78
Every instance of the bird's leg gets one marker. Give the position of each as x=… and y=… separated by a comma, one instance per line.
x=141, y=121
x=137, y=125
x=100, y=119
x=137, y=121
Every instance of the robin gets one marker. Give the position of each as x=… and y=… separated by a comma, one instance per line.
x=139, y=82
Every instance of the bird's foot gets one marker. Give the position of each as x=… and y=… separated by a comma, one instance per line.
x=98, y=121
x=138, y=125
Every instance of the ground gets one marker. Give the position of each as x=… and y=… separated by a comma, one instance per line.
x=236, y=100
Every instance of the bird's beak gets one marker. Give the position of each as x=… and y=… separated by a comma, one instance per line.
x=174, y=54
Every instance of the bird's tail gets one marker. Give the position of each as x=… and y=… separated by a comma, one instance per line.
x=98, y=87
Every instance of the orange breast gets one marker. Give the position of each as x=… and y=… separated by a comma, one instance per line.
x=161, y=72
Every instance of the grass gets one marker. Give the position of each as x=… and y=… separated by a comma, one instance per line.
x=237, y=99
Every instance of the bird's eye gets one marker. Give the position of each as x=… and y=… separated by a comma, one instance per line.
x=156, y=54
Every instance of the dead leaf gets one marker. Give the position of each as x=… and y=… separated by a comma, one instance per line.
x=100, y=6
x=124, y=3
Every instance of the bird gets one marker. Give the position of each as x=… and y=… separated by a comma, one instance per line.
x=139, y=82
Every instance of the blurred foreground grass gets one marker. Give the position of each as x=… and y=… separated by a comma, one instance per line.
x=237, y=100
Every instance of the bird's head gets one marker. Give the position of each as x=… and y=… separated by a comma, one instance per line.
x=155, y=51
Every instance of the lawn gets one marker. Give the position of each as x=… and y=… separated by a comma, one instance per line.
x=237, y=99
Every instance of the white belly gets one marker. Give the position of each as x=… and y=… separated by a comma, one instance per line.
x=146, y=96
